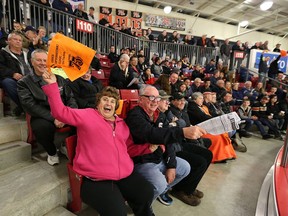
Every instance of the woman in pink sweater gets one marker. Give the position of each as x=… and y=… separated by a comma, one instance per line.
x=101, y=154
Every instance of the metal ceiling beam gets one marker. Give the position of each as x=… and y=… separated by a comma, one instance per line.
x=222, y=10
x=229, y=20
x=156, y=5
x=268, y=25
x=204, y=5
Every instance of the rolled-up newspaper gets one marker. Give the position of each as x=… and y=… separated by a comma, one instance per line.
x=221, y=124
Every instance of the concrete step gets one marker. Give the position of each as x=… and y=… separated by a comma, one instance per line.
x=59, y=211
x=13, y=153
x=12, y=129
x=34, y=189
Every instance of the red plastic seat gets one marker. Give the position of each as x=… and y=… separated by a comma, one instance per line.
x=131, y=95
x=101, y=76
x=105, y=64
x=75, y=179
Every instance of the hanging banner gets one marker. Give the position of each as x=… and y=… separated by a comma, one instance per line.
x=106, y=12
x=165, y=22
x=121, y=17
x=136, y=22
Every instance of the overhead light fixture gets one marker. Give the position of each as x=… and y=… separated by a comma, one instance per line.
x=167, y=9
x=266, y=5
x=244, y=23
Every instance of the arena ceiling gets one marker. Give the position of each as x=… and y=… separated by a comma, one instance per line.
x=273, y=21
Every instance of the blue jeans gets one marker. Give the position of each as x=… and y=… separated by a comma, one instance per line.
x=10, y=87
x=155, y=174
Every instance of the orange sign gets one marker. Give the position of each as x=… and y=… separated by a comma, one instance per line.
x=73, y=57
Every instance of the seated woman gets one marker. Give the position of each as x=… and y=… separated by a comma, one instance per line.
x=221, y=147
x=84, y=89
x=101, y=154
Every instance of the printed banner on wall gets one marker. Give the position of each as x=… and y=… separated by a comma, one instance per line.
x=121, y=17
x=106, y=12
x=136, y=22
x=255, y=59
x=165, y=22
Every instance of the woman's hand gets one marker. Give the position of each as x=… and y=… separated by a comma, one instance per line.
x=49, y=78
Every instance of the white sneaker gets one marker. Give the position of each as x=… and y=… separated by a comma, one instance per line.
x=53, y=160
x=63, y=150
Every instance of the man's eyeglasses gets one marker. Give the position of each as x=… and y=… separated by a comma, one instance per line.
x=152, y=98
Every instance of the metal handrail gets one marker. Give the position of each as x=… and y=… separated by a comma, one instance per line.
x=103, y=37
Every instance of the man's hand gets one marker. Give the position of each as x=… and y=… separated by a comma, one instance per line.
x=153, y=147
x=49, y=78
x=170, y=175
x=193, y=132
x=254, y=117
x=17, y=76
x=123, y=65
x=58, y=124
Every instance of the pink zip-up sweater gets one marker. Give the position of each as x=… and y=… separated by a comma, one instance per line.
x=101, y=152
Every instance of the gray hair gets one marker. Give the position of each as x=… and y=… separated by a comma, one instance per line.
x=143, y=88
x=124, y=57
x=14, y=33
x=37, y=51
x=195, y=95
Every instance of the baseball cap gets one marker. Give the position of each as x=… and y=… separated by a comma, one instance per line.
x=177, y=96
x=30, y=28
x=163, y=94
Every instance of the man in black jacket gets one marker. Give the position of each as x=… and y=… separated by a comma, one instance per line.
x=142, y=122
x=120, y=77
x=35, y=103
x=13, y=66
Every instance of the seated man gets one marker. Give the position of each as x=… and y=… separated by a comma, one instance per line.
x=35, y=103
x=13, y=66
x=259, y=109
x=144, y=122
x=113, y=56
x=245, y=113
x=85, y=89
x=120, y=77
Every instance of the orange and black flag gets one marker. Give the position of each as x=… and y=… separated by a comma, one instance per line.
x=73, y=57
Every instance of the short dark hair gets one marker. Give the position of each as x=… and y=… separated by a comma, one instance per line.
x=108, y=91
x=92, y=8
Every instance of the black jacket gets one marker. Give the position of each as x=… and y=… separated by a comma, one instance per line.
x=143, y=130
x=273, y=69
x=196, y=115
x=85, y=92
x=9, y=63
x=118, y=79
x=33, y=99
x=113, y=57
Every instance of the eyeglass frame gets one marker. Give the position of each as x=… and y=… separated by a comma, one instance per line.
x=152, y=98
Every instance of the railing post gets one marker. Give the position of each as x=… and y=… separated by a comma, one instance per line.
x=24, y=12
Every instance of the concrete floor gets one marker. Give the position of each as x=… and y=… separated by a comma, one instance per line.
x=230, y=189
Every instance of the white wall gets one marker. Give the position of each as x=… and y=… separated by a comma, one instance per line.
x=201, y=26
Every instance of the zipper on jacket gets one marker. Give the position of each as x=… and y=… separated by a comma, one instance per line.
x=114, y=135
